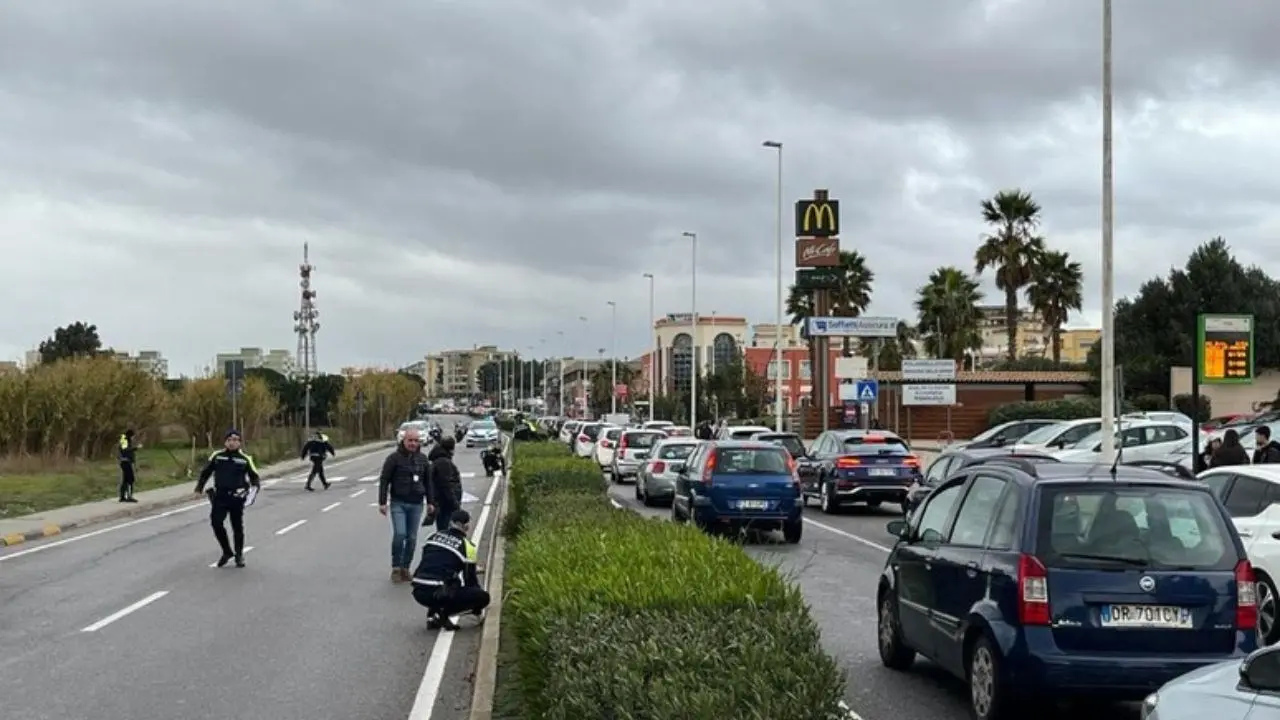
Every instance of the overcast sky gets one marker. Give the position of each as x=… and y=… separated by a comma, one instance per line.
x=487, y=171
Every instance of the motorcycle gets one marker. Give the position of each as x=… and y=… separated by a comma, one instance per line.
x=493, y=460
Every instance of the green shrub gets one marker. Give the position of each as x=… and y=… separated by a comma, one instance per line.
x=505, y=424
x=1187, y=407
x=613, y=613
x=1064, y=409
x=1151, y=402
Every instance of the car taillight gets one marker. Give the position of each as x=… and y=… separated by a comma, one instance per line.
x=583, y=439
x=1033, y=591
x=911, y=461
x=795, y=471
x=606, y=444
x=709, y=470
x=846, y=463
x=1246, y=597
x=658, y=467
x=622, y=444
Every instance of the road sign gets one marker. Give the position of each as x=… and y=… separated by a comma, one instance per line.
x=825, y=278
x=235, y=388
x=931, y=394
x=866, y=390
x=851, y=368
x=884, y=327
x=817, y=218
x=928, y=369
x=1226, y=349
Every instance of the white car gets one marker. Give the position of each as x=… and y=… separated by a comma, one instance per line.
x=422, y=426
x=1251, y=494
x=1176, y=418
x=481, y=433
x=585, y=444
x=1138, y=440
x=606, y=446
x=1057, y=436
x=741, y=432
x=657, y=425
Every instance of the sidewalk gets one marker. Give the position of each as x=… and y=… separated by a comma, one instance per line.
x=14, y=531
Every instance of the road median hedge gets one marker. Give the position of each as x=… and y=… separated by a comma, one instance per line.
x=623, y=617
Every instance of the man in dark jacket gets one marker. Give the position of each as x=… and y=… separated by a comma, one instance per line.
x=316, y=448
x=446, y=482
x=703, y=431
x=402, y=491
x=1231, y=452
x=446, y=582
x=1268, y=450
x=234, y=475
x=128, y=456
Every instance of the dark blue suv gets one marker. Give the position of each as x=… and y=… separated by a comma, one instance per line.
x=1065, y=579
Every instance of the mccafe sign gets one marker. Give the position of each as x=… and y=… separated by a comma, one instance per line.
x=814, y=252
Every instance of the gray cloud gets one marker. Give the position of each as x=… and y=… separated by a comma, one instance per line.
x=472, y=172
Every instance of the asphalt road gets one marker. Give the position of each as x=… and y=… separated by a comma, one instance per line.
x=837, y=565
x=131, y=621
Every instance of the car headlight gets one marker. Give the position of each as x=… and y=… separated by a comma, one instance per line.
x=1149, y=706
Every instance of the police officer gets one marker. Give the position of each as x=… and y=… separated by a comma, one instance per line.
x=233, y=474
x=446, y=582
x=446, y=482
x=316, y=448
x=128, y=456
x=493, y=459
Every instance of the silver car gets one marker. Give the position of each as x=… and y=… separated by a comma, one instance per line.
x=656, y=482
x=632, y=452
x=1231, y=690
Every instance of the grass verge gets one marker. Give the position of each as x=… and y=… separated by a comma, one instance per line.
x=611, y=615
x=36, y=484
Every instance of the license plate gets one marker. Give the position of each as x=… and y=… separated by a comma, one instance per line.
x=1146, y=616
x=882, y=472
x=753, y=504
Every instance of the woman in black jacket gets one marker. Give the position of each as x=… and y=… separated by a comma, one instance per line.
x=1231, y=452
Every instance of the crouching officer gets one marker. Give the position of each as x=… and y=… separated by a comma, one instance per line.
x=316, y=448
x=493, y=459
x=128, y=456
x=446, y=582
x=233, y=474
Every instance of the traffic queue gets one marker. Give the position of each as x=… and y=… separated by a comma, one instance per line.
x=1021, y=564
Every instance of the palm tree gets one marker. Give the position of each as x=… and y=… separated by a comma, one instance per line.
x=948, y=310
x=906, y=340
x=799, y=304
x=1054, y=292
x=1012, y=249
x=849, y=299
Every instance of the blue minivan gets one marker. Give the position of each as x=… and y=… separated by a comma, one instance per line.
x=1065, y=579
x=739, y=484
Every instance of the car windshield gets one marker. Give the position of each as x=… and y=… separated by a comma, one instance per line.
x=675, y=451
x=752, y=461
x=680, y=431
x=793, y=444
x=591, y=431
x=612, y=433
x=1042, y=435
x=483, y=425
x=989, y=432
x=874, y=445
x=1153, y=526
x=642, y=439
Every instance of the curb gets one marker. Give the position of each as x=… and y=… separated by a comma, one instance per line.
x=128, y=511
x=485, y=677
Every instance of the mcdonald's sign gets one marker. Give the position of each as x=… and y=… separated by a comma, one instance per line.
x=817, y=218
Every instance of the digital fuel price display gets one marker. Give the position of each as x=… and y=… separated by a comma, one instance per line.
x=1226, y=349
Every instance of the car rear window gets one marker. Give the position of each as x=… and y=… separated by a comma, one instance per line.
x=677, y=451
x=642, y=439
x=591, y=431
x=871, y=444
x=743, y=434
x=752, y=461
x=792, y=443
x=613, y=434
x=1134, y=526
x=680, y=431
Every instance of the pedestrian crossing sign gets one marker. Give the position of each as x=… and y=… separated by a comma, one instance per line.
x=866, y=390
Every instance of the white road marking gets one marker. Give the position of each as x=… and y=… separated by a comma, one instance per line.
x=848, y=535
x=248, y=549
x=849, y=713
x=287, y=528
x=327, y=508
x=303, y=479
x=615, y=503
x=95, y=533
x=469, y=498
x=358, y=493
x=368, y=479
x=126, y=611
x=424, y=703
x=466, y=475
x=373, y=504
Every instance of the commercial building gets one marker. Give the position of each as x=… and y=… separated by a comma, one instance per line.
x=150, y=361
x=766, y=334
x=281, y=361
x=719, y=340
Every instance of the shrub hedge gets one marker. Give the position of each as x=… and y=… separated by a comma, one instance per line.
x=1087, y=407
x=619, y=616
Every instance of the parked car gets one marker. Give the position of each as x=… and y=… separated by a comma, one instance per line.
x=950, y=463
x=1230, y=690
x=740, y=432
x=632, y=452
x=1057, y=436
x=1162, y=416
x=790, y=441
x=1000, y=435
x=584, y=445
x=1251, y=495
x=605, y=447
x=1136, y=440
x=736, y=484
x=657, y=425
x=569, y=432
x=844, y=467
x=1039, y=580
x=679, y=431
x=656, y=482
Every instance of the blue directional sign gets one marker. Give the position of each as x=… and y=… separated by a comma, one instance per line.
x=866, y=390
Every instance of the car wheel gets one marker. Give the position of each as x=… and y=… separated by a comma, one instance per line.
x=639, y=495
x=988, y=697
x=675, y=512
x=827, y=500
x=1268, y=611
x=894, y=653
x=792, y=531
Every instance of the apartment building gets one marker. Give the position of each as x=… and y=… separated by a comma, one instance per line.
x=458, y=369
x=282, y=361
x=767, y=335
x=1032, y=340
x=151, y=361
x=1076, y=343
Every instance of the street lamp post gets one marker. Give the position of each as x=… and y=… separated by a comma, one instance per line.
x=653, y=354
x=613, y=353
x=582, y=382
x=777, y=335
x=560, y=378
x=502, y=368
x=528, y=365
x=693, y=321
x=519, y=380
x=1108, y=290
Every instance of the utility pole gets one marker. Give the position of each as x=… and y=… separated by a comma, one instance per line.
x=305, y=326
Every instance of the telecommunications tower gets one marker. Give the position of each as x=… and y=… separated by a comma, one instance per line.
x=305, y=326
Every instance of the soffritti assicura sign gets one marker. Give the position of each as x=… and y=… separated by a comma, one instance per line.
x=1226, y=349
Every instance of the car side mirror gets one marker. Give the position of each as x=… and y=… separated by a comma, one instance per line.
x=898, y=528
x=1261, y=670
